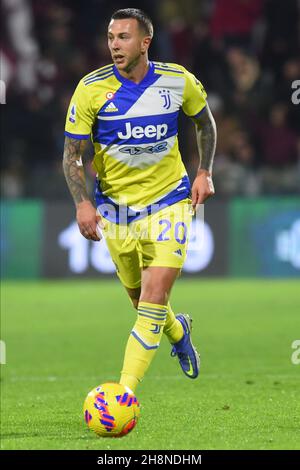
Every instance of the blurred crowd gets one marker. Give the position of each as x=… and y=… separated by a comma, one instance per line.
x=245, y=52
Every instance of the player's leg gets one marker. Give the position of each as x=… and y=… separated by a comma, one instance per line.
x=156, y=290
x=153, y=281
x=168, y=247
x=157, y=283
x=145, y=337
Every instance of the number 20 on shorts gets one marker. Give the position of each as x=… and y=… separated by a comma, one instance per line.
x=180, y=231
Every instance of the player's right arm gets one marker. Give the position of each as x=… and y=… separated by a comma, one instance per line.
x=79, y=122
x=86, y=215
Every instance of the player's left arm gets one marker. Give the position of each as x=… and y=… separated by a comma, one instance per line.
x=206, y=134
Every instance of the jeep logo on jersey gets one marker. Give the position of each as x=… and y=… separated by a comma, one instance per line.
x=137, y=132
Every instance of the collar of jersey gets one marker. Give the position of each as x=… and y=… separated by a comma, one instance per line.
x=148, y=78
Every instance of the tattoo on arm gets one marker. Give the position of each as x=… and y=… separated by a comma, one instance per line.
x=206, y=139
x=73, y=169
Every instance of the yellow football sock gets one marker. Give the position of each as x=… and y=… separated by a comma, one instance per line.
x=130, y=381
x=173, y=328
x=143, y=342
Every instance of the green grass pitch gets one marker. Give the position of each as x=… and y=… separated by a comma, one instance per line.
x=64, y=338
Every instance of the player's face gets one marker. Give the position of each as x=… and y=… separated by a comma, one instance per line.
x=126, y=43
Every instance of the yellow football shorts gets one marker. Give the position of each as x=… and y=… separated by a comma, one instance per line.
x=159, y=239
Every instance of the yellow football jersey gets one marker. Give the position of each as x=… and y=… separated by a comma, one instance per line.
x=134, y=131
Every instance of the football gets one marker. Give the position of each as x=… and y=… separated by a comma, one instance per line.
x=111, y=410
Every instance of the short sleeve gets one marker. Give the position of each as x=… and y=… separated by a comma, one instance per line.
x=194, y=96
x=80, y=118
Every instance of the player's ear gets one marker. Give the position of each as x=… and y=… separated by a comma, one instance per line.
x=146, y=43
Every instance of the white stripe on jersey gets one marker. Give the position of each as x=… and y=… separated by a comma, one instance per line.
x=144, y=159
x=151, y=103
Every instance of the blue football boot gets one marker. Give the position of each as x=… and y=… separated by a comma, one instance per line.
x=187, y=354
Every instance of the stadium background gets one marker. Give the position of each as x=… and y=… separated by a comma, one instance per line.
x=246, y=53
x=62, y=333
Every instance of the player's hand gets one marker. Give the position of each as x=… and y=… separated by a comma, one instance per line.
x=202, y=188
x=88, y=219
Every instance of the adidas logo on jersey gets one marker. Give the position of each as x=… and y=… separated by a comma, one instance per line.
x=72, y=117
x=110, y=108
x=178, y=253
x=137, y=132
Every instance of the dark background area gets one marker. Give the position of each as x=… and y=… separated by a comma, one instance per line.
x=245, y=52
